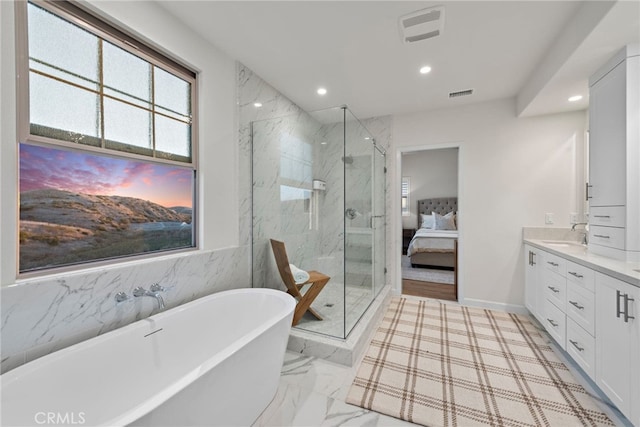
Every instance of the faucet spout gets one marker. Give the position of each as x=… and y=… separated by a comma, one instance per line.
x=154, y=292
x=584, y=233
x=160, y=300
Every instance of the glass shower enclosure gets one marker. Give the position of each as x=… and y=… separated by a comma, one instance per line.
x=319, y=186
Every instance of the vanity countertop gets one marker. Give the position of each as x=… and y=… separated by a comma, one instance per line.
x=626, y=271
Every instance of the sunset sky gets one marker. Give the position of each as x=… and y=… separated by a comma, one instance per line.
x=78, y=172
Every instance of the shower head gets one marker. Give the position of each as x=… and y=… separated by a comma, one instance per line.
x=347, y=160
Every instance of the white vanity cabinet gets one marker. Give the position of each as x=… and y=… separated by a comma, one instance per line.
x=613, y=190
x=618, y=344
x=594, y=317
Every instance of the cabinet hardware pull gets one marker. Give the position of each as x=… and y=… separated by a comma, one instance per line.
x=556, y=290
x=602, y=216
x=555, y=264
x=576, y=305
x=602, y=236
x=533, y=258
x=586, y=191
x=618, y=295
x=575, y=344
x=553, y=323
x=626, y=308
x=573, y=273
x=530, y=258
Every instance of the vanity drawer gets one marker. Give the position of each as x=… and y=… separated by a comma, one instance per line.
x=581, y=346
x=555, y=288
x=581, y=275
x=581, y=307
x=555, y=322
x=611, y=237
x=555, y=263
x=610, y=216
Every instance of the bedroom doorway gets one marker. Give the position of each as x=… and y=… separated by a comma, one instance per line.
x=429, y=202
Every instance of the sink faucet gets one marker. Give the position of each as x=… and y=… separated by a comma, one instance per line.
x=154, y=292
x=584, y=233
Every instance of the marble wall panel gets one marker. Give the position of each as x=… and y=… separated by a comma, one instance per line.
x=42, y=315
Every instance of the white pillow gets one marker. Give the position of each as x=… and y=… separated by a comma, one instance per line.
x=427, y=221
x=444, y=222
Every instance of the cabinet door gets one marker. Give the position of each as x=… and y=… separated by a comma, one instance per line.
x=617, y=342
x=607, y=139
x=530, y=279
x=534, y=295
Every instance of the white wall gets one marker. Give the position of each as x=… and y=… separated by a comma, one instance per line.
x=433, y=173
x=512, y=171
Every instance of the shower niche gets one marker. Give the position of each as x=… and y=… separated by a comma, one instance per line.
x=319, y=186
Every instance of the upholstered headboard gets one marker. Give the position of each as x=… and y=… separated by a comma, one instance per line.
x=442, y=206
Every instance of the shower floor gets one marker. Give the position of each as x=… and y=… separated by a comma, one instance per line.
x=330, y=305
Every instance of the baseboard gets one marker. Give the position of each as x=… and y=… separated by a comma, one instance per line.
x=491, y=305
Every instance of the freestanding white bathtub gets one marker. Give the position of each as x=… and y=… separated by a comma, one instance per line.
x=213, y=361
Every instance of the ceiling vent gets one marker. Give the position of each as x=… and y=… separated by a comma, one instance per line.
x=460, y=93
x=422, y=25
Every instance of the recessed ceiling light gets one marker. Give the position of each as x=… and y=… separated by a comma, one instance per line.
x=257, y=104
x=323, y=143
x=425, y=70
x=575, y=98
x=321, y=91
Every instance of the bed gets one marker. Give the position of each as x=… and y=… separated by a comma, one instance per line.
x=436, y=239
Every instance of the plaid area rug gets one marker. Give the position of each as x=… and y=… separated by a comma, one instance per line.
x=446, y=365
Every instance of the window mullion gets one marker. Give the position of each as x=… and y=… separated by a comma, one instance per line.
x=101, y=90
x=153, y=110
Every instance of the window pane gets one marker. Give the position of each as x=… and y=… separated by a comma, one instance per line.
x=77, y=207
x=62, y=49
x=126, y=76
x=173, y=138
x=61, y=111
x=173, y=95
x=127, y=125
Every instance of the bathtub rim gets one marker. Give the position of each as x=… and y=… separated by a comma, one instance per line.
x=189, y=376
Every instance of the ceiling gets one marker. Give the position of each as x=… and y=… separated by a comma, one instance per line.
x=540, y=52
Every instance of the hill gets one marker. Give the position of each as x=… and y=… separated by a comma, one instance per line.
x=95, y=213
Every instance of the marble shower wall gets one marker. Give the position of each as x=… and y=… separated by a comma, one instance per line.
x=40, y=316
x=285, y=204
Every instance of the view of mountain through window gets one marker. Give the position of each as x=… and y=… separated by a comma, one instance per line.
x=77, y=207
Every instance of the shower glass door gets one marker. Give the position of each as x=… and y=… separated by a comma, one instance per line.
x=361, y=220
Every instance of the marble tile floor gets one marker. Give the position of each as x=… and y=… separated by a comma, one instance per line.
x=312, y=392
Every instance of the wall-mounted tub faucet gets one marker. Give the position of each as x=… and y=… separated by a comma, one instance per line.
x=154, y=292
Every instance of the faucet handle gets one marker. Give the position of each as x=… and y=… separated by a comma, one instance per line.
x=139, y=291
x=121, y=296
x=156, y=288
